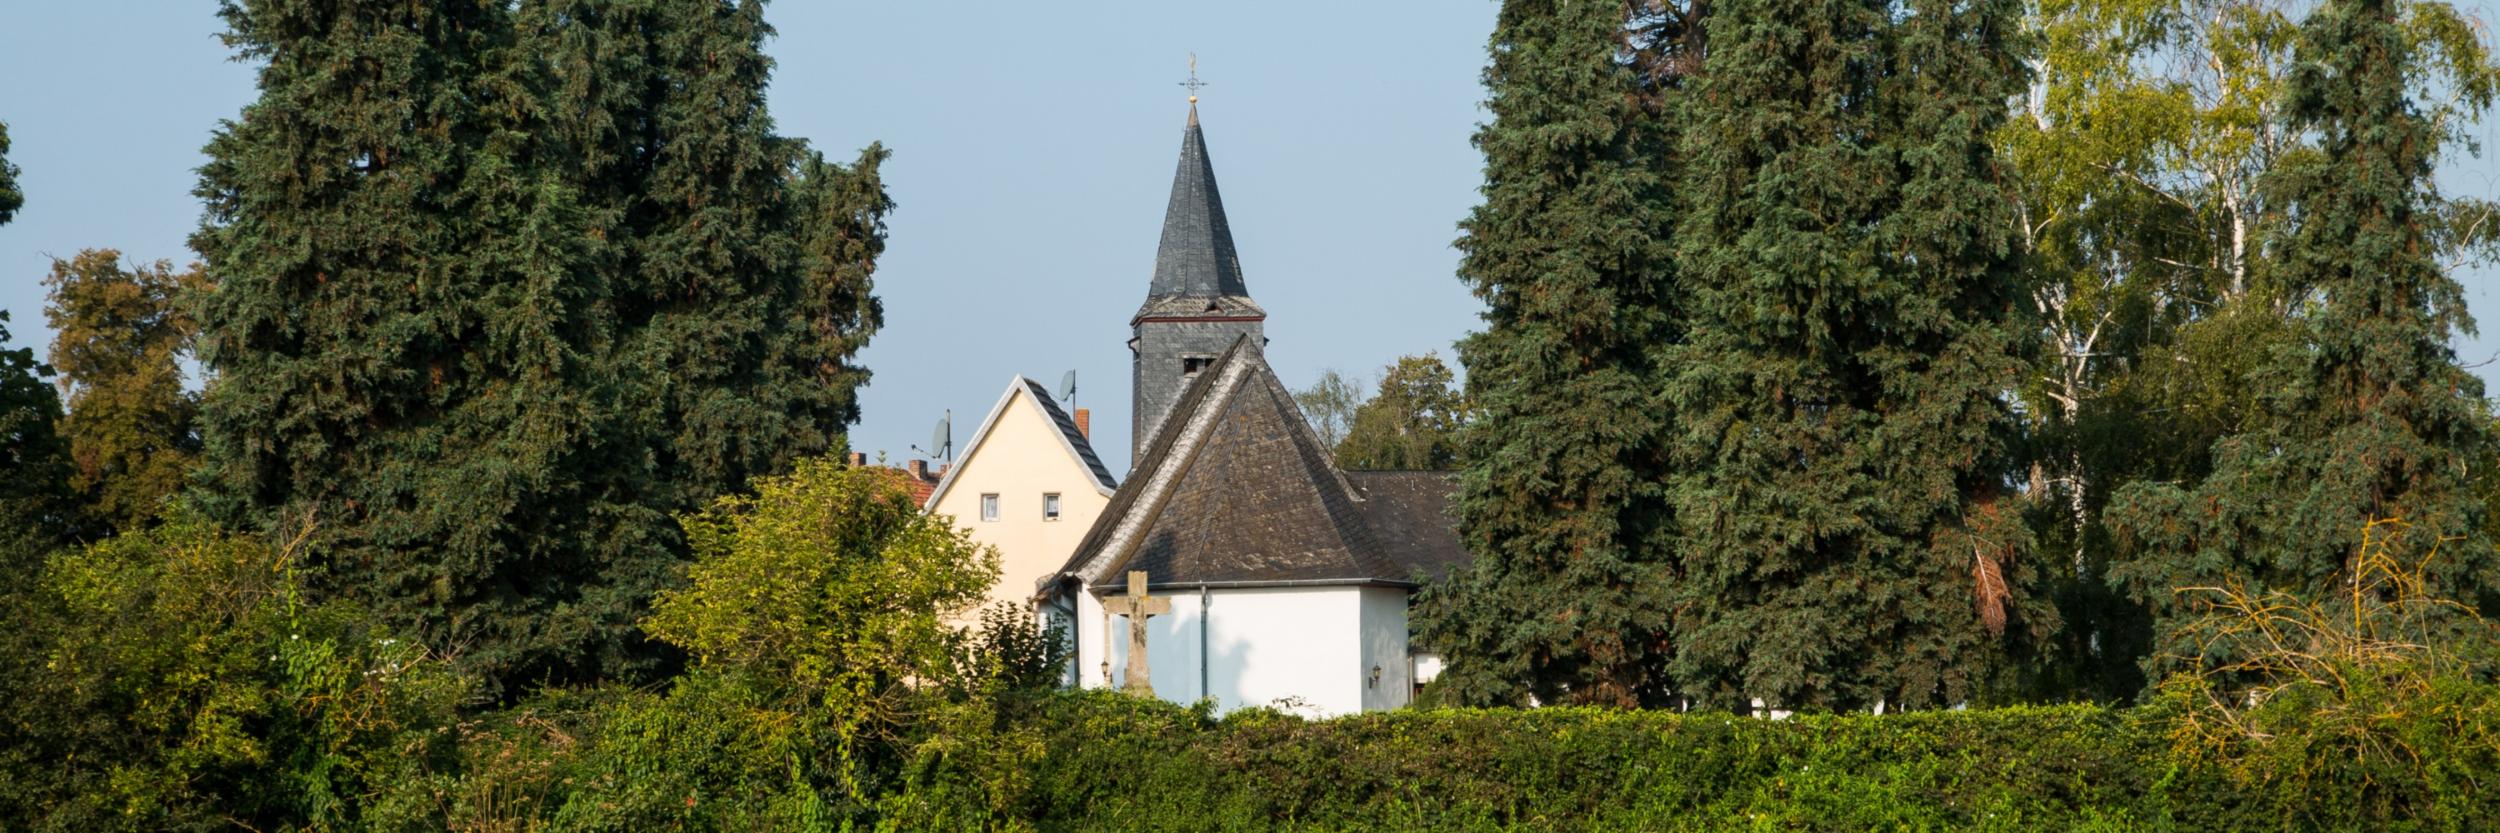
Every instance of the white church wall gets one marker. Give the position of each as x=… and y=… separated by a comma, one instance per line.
x=1301, y=647
x=1384, y=649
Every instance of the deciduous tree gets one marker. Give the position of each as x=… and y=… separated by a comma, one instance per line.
x=1329, y=404
x=2367, y=415
x=120, y=336
x=1411, y=423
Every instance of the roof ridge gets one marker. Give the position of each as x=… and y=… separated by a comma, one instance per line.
x=1152, y=476
x=1071, y=440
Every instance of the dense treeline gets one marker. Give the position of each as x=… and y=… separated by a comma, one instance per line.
x=1839, y=357
x=1882, y=355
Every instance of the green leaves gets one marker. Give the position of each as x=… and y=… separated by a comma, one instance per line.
x=2366, y=415
x=1411, y=424
x=120, y=337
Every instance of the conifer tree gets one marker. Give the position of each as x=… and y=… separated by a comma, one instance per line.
x=743, y=258
x=1850, y=287
x=10, y=198
x=1559, y=496
x=37, y=511
x=119, y=338
x=2368, y=416
x=404, y=327
x=502, y=288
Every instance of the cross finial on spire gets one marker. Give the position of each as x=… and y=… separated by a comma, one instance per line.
x=1193, y=83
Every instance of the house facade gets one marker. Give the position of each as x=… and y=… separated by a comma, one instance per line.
x=1028, y=484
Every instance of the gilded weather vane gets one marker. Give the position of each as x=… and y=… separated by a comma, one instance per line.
x=1193, y=83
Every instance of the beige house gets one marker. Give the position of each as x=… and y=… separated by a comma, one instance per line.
x=1029, y=484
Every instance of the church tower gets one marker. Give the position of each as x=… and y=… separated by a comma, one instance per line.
x=1197, y=305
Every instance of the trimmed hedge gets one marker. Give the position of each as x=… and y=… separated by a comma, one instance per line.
x=1112, y=763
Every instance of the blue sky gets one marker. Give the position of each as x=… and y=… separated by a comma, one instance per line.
x=1033, y=150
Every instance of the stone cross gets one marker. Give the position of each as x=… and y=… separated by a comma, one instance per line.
x=1137, y=606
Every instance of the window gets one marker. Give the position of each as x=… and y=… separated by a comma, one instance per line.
x=989, y=507
x=1050, y=506
x=1190, y=365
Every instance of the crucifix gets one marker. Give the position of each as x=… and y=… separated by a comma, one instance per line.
x=1137, y=606
x=1193, y=83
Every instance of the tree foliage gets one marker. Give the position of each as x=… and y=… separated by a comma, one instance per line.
x=11, y=199
x=1850, y=276
x=2139, y=159
x=1560, y=495
x=38, y=510
x=1411, y=423
x=2366, y=415
x=120, y=336
x=177, y=678
x=499, y=289
x=1329, y=404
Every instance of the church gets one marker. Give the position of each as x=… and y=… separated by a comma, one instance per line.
x=1250, y=568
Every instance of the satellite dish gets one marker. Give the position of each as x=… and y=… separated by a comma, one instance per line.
x=941, y=440
x=1067, y=387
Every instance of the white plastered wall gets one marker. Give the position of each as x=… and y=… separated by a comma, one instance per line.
x=1307, y=648
x=1384, y=649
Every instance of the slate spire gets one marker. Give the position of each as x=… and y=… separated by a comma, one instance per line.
x=1197, y=305
x=1196, y=258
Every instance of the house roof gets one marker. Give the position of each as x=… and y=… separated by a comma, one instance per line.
x=1197, y=272
x=1241, y=492
x=915, y=476
x=1071, y=439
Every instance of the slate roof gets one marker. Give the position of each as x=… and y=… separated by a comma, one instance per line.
x=1196, y=260
x=1071, y=439
x=1077, y=441
x=1242, y=493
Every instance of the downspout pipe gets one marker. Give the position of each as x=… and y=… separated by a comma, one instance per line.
x=1203, y=613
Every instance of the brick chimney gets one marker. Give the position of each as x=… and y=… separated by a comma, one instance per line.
x=1085, y=423
x=919, y=469
x=859, y=458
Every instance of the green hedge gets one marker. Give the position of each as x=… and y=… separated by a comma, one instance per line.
x=1111, y=763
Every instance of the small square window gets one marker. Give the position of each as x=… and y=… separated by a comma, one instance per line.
x=989, y=507
x=1050, y=506
x=1190, y=365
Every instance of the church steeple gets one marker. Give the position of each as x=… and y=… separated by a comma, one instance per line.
x=1196, y=258
x=1197, y=303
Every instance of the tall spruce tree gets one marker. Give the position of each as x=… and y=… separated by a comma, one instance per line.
x=1560, y=497
x=568, y=285
x=120, y=336
x=1851, y=285
x=745, y=257
x=2368, y=416
x=404, y=326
